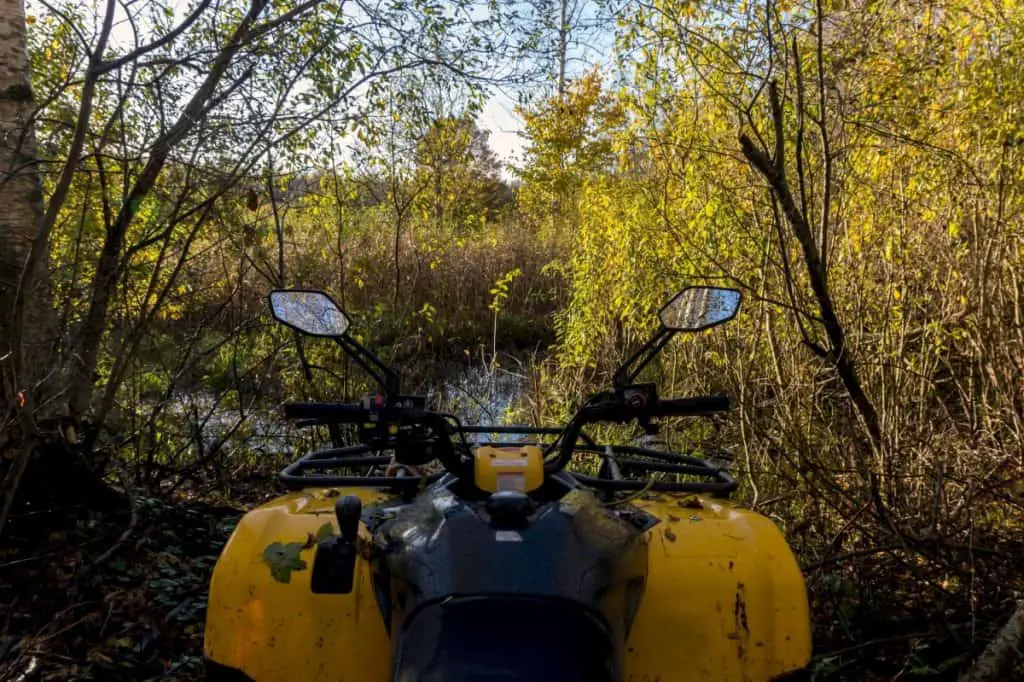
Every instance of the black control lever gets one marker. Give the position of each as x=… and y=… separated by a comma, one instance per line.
x=334, y=566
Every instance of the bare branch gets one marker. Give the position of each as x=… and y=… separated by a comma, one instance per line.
x=170, y=36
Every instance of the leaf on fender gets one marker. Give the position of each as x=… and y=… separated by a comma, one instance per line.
x=325, y=531
x=283, y=558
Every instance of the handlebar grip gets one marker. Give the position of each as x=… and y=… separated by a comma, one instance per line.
x=336, y=412
x=691, y=407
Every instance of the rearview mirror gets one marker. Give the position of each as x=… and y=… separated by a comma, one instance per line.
x=311, y=312
x=696, y=308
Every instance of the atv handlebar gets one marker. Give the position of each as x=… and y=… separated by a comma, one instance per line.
x=344, y=413
x=621, y=412
x=355, y=413
x=608, y=409
x=691, y=407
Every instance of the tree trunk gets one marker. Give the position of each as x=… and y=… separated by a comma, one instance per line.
x=22, y=201
x=25, y=352
x=563, y=47
x=996, y=661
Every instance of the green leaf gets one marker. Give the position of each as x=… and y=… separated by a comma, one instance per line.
x=325, y=531
x=282, y=559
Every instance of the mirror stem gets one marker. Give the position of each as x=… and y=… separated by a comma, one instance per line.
x=381, y=373
x=624, y=375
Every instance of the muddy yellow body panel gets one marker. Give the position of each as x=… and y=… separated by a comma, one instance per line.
x=724, y=599
x=274, y=630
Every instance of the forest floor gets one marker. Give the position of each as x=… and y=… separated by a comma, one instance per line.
x=120, y=596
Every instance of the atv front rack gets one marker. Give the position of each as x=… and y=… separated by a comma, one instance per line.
x=619, y=466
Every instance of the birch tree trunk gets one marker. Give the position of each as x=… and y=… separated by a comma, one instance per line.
x=26, y=346
x=21, y=200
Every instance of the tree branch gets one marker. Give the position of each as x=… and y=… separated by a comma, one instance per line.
x=837, y=353
x=107, y=268
x=107, y=66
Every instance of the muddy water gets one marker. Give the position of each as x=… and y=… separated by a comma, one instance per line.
x=476, y=394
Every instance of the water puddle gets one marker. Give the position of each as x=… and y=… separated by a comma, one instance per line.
x=476, y=394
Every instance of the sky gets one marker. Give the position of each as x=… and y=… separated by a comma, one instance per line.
x=500, y=119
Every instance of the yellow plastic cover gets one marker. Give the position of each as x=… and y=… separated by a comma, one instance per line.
x=518, y=469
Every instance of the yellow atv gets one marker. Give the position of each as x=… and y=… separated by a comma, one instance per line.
x=434, y=551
